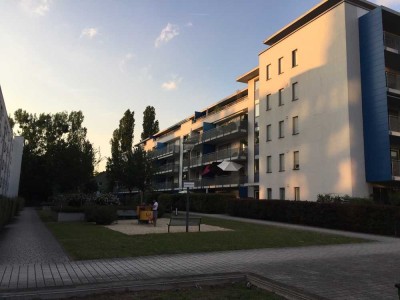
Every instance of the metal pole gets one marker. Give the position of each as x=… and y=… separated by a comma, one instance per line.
x=187, y=194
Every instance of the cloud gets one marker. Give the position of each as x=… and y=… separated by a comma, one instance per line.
x=168, y=33
x=89, y=32
x=189, y=24
x=122, y=64
x=172, y=84
x=36, y=7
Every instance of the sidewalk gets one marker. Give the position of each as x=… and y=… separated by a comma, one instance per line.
x=353, y=271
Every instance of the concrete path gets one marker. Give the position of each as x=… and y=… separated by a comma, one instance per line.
x=353, y=271
x=27, y=240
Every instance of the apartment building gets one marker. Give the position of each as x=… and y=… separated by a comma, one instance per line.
x=10, y=155
x=320, y=113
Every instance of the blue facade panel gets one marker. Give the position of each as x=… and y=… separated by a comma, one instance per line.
x=374, y=98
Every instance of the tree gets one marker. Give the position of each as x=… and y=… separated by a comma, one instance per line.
x=150, y=124
x=57, y=155
x=121, y=148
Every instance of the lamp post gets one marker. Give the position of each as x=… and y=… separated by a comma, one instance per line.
x=190, y=148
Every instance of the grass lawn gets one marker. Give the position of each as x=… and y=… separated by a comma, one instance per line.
x=218, y=292
x=85, y=241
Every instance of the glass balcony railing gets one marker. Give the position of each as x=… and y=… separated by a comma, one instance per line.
x=393, y=81
x=395, y=167
x=167, y=168
x=165, y=186
x=392, y=41
x=234, y=180
x=224, y=130
x=230, y=154
x=168, y=150
x=394, y=123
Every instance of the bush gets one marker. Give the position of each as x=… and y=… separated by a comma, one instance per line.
x=368, y=218
x=103, y=215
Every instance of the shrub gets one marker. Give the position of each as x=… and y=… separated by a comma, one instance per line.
x=104, y=215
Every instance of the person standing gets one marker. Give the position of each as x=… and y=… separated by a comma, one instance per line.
x=155, y=212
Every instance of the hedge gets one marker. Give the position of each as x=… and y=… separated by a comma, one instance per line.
x=9, y=208
x=367, y=218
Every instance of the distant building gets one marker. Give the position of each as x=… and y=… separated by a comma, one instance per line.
x=320, y=114
x=11, y=148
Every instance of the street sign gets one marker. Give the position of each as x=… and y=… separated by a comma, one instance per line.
x=188, y=184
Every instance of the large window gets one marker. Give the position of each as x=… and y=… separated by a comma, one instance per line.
x=269, y=164
x=296, y=160
x=297, y=193
x=295, y=91
x=280, y=97
x=281, y=162
x=295, y=125
x=294, y=58
x=282, y=193
x=268, y=102
x=281, y=132
x=280, y=60
x=269, y=193
x=256, y=108
x=268, y=71
x=256, y=90
x=269, y=133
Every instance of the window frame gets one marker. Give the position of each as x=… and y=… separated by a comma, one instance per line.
x=281, y=129
x=281, y=162
x=294, y=58
x=280, y=97
x=269, y=132
x=296, y=193
x=268, y=71
x=295, y=92
x=280, y=60
x=295, y=125
x=268, y=102
x=282, y=193
x=269, y=194
x=296, y=160
x=269, y=163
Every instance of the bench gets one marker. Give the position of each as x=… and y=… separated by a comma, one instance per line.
x=181, y=221
x=126, y=214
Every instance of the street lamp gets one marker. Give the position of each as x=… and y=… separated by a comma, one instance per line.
x=189, y=147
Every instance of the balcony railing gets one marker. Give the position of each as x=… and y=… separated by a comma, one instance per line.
x=168, y=150
x=393, y=80
x=165, y=186
x=220, y=181
x=224, y=130
x=394, y=123
x=392, y=41
x=256, y=149
x=167, y=168
x=230, y=153
x=395, y=167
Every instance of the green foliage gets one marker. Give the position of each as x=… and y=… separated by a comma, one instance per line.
x=150, y=124
x=103, y=215
x=376, y=219
x=57, y=156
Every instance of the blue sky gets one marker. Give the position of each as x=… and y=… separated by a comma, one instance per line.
x=105, y=56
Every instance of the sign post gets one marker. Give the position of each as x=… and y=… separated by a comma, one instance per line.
x=187, y=185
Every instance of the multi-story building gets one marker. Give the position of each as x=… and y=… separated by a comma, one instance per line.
x=320, y=113
x=10, y=155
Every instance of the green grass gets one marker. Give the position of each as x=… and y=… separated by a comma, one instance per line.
x=84, y=241
x=218, y=292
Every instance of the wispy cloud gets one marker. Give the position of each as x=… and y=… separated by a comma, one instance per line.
x=168, y=33
x=89, y=32
x=124, y=61
x=189, y=24
x=172, y=84
x=36, y=7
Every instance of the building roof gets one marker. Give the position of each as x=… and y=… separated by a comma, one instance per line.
x=249, y=75
x=313, y=13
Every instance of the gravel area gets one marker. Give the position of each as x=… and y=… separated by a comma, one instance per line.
x=131, y=227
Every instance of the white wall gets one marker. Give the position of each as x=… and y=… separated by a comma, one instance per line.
x=330, y=161
x=15, y=171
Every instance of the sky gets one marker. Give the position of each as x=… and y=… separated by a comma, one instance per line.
x=106, y=56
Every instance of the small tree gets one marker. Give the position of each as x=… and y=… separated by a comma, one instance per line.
x=150, y=124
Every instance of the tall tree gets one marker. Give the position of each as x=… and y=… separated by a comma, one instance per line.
x=150, y=124
x=57, y=155
x=121, y=148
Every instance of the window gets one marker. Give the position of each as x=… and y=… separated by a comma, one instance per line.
x=280, y=65
x=295, y=125
x=269, y=193
x=269, y=164
x=282, y=193
x=296, y=193
x=256, y=108
x=268, y=102
x=294, y=92
x=256, y=90
x=296, y=160
x=294, y=58
x=280, y=95
x=269, y=132
x=281, y=129
x=281, y=162
x=268, y=71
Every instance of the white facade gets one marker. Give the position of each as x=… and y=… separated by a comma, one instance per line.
x=10, y=155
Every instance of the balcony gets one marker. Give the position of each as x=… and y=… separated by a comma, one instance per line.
x=167, y=168
x=164, y=152
x=163, y=186
x=392, y=42
x=224, y=131
x=226, y=154
x=393, y=82
x=394, y=123
x=221, y=181
x=395, y=168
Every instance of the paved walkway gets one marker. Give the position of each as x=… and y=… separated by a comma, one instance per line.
x=353, y=271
